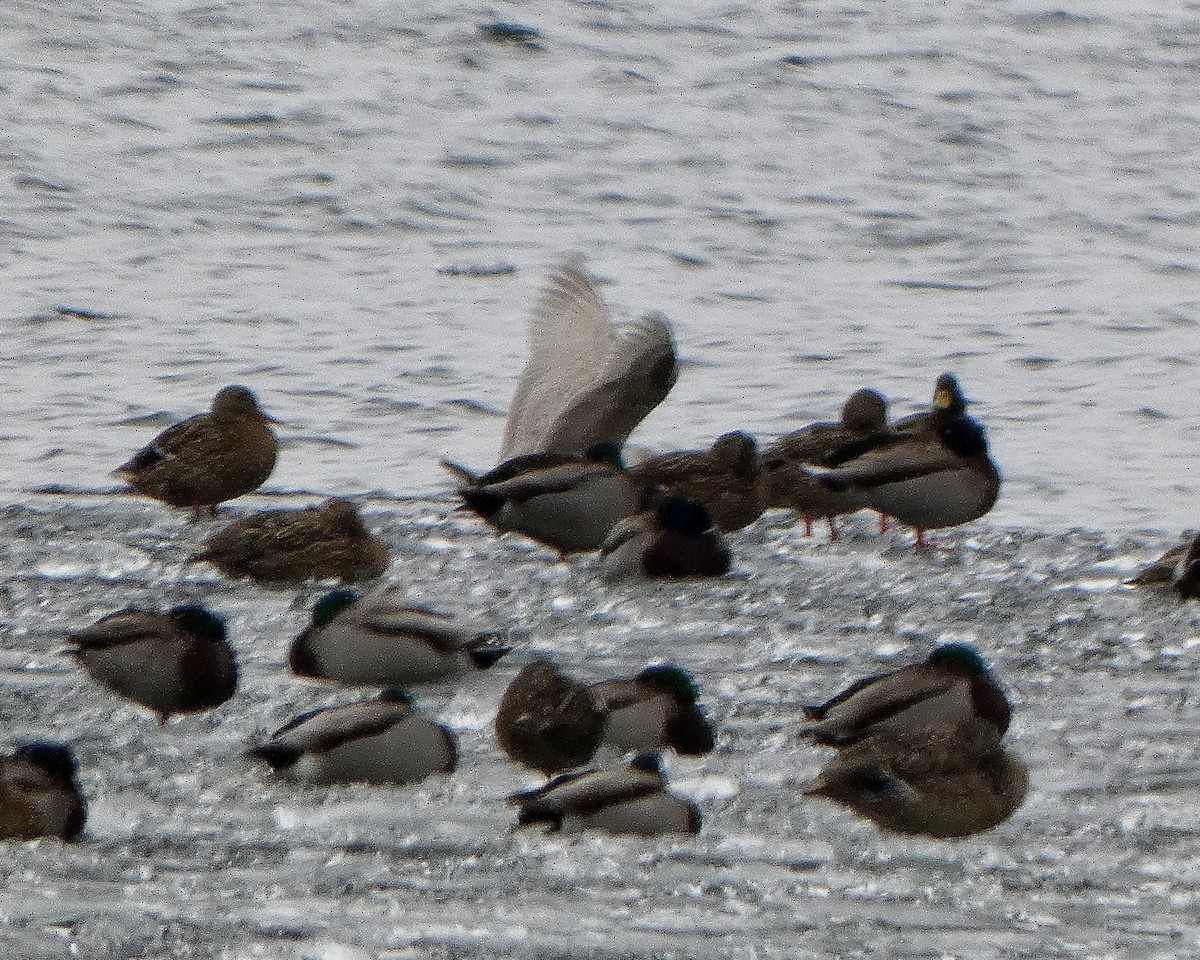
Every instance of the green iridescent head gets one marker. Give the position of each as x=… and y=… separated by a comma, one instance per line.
x=673, y=679
x=330, y=605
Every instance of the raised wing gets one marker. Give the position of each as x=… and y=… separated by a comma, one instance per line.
x=571, y=337
x=636, y=377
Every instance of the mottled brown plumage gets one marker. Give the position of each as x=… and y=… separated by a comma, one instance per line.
x=946, y=801
x=548, y=721
x=281, y=547
x=209, y=458
x=726, y=478
x=1179, y=567
x=789, y=486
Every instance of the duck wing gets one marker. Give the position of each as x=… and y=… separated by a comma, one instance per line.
x=571, y=335
x=637, y=375
x=873, y=700
x=329, y=727
x=560, y=479
x=116, y=629
x=890, y=464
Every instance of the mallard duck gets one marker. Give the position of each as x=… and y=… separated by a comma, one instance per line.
x=939, y=475
x=655, y=709
x=954, y=686
x=39, y=794
x=726, y=478
x=585, y=380
x=948, y=400
x=631, y=799
x=789, y=486
x=566, y=502
x=285, y=547
x=381, y=740
x=174, y=662
x=674, y=539
x=379, y=640
x=1179, y=567
x=972, y=798
x=548, y=721
x=209, y=458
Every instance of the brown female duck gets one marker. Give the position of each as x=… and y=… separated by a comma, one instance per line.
x=789, y=486
x=726, y=478
x=39, y=795
x=281, y=547
x=209, y=458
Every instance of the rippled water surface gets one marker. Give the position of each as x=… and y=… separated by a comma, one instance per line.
x=351, y=207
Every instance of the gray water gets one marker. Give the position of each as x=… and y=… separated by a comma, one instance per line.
x=351, y=208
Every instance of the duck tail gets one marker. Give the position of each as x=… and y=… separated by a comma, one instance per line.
x=484, y=657
x=532, y=816
x=481, y=502
x=279, y=757
x=464, y=475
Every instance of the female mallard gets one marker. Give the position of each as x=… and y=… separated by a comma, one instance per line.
x=1179, y=567
x=675, y=539
x=725, y=478
x=39, y=793
x=174, y=662
x=378, y=640
x=939, y=475
x=969, y=799
x=952, y=687
x=548, y=721
x=655, y=709
x=286, y=547
x=631, y=799
x=790, y=486
x=568, y=503
x=209, y=458
x=585, y=380
x=381, y=740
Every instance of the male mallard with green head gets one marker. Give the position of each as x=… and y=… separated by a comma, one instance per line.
x=174, y=662
x=286, y=547
x=632, y=799
x=209, y=458
x=937, y=476
x=380, y=740
x=39, y=793
x=675, y=539
x=380, y=640
x=568, y=503
x=948, y=400
x=953, y=686
x=726, y=478
x=653, y=710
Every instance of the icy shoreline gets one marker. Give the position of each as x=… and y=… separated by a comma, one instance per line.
x=193, y=851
